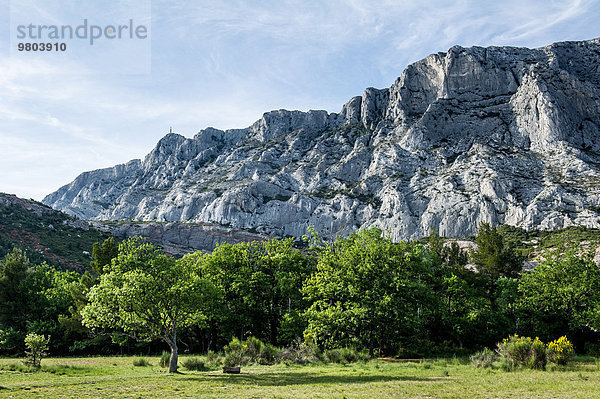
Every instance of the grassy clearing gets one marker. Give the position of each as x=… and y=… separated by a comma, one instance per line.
x=100, y=377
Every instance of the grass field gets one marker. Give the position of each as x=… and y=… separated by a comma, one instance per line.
x=106, y=377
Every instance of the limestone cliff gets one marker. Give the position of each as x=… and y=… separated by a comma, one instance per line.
x=498, y=134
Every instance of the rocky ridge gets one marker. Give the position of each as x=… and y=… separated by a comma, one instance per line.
x=179, y=238
x=500, y=134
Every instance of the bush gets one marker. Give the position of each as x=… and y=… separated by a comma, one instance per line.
x=252, y=350
x=234, y=354
x=252, y=347
x=483, y=359
x=516, y=351
x=37, y=346
x=214, y=359
x=560, y=351
x=268, y=354
x=165, y=358
x=334, y=356
x=351, y=355
x=301, y=352
x=195, y=364
x=11, y=340
x=141, y=362
x=538, y=359
x=592, y=349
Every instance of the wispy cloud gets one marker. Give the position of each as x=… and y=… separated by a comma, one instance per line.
x=223, y=63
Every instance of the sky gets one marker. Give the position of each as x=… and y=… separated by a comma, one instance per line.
x=221, y=64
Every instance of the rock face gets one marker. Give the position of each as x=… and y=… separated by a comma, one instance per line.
x=179, y=238
x=498, y=134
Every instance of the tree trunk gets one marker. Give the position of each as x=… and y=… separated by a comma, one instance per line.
x=174, y=354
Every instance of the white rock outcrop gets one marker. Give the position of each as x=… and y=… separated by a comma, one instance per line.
x=498, y=134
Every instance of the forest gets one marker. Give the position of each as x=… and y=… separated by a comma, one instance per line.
x=406, y=299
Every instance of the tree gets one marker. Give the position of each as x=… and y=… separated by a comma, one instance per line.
x=148, y=295
x=14, y=270
x=369, y=292
x=31, y=299
x=37, y=346
x=497, y=264
x=493, y=258
x=260, y=284
x=48, y=294
x=562, y=294
x=103, y=254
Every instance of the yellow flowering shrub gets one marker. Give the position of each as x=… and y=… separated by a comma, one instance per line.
x=516, y=351
x=560, y=351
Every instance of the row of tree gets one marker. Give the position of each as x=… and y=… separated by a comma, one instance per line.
x=406, y=298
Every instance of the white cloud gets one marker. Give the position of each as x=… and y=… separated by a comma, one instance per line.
x=224, y=63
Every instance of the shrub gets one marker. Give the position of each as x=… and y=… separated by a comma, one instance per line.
x=10, y=340
x=268, y=354
x=234, y=354
x=141, y=362
x=593, y=349
x=351, y=355
x=214, y=359
x=483, y=359
x=252, y=350
x=195, y=364
x=301, y=352
x=37, y=346
x=538, y=359
x=560, y=351
x=334, y=356
x=516, y=351
x=165, y=358
x=506, y=365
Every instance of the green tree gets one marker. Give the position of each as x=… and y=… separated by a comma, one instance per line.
x=103, y=254
x=37, y=346
x=369, y=292
x=49, y=297
x=31, y=299
x=259, y=285
x=492, y=257
x=148, y=295
x=562, y=294
x=14, y=269
x=461, y=315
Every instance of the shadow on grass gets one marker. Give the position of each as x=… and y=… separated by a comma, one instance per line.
x=303, y=378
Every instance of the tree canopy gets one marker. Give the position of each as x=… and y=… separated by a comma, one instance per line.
x=368, y=292
x=148, y=295
x=562, y=293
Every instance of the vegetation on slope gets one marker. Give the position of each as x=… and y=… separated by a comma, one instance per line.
x=44, y=234
x=530, y=244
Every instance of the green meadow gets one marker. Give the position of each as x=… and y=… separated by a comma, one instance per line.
x=105, y=377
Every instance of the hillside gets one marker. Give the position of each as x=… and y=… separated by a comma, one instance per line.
x=46, y=234
x=501, y=134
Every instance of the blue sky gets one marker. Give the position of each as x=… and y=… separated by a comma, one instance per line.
x=224, y=63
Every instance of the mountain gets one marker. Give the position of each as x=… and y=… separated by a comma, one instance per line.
x=500, y=134
x=46, y=234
